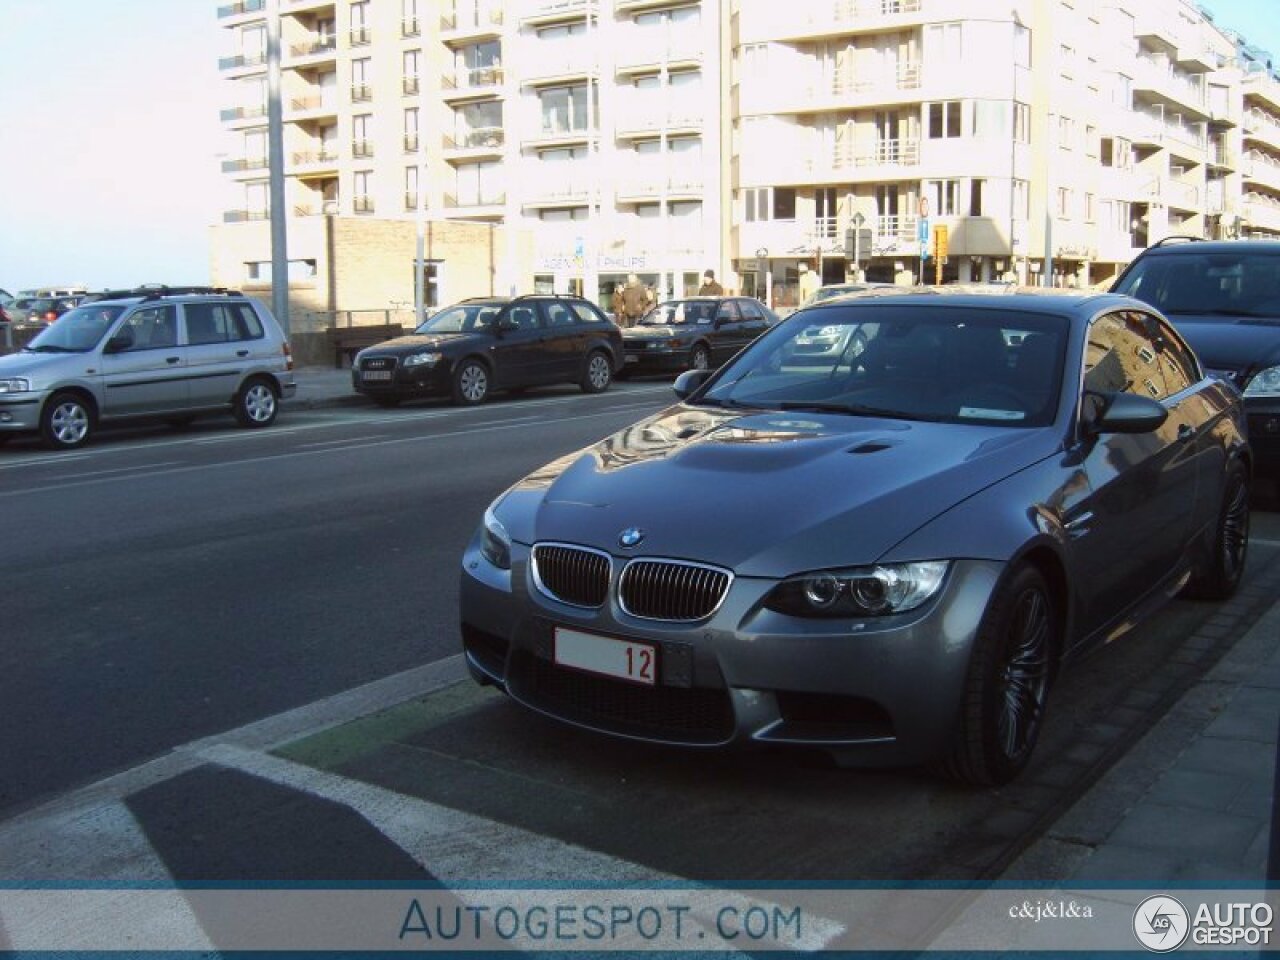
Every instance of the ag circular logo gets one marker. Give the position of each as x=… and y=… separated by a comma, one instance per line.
x=1161, y=924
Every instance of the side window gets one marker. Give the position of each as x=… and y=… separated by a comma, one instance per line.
x=753, y=314
x=1121, y=357
x=153, y=328
x=1181, y=369
x=587, y=313
x=245, y=323
x=558, y=315
x=204, y=325
x=728, y=312
x=525, y=316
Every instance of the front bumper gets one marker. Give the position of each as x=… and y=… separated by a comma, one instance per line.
x=877, y=691
x=654, y=355
x=402, y=381
x=20, y=412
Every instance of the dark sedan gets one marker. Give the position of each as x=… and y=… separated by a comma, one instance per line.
x=1224, y=297
x=694, y=334
x=887, y=556
x=497, y=343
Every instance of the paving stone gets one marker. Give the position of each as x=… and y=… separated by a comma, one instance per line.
x=1186, y=832
x=1116, y=862
x=1237, y=758
x=1243, y=724
x=1197, y=789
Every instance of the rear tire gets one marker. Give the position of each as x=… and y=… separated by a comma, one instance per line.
x=66, y=422
x=1007, y=683
x=256, y=404
x=1219, y=580
x=599, y=373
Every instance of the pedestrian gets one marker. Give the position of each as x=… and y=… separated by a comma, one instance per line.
x=618, y=306
x=808, y=284
x=709, y=286
x=635, y=300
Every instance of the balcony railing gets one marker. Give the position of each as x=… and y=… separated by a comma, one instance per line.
x=679, y=116
x=409, y=27
x=1173, y=193
x=362, y=204
x=1262, y=125
x=654, y=187
x=411, y=143
x=477, y=18
x=410, y=200
x=471, y=200
x=888, y=153
x=242, y=60
x=360, y=36
x=312, y=48
x=315, y=158
x=479, y=138
x=478, y=78
x=554, y=130
x=361, y=93
x=239, y=7
x=539, y=9
x=362, y=148
x=1160, y=76
x=244, y=216
x=568, y=192
x=317, y=102
x=409, y=85
x=242, y=164
x=244, y=113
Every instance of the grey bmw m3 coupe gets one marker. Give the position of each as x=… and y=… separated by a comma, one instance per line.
x=887, y=555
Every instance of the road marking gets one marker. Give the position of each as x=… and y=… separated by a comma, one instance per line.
x=1258, y=542
x=39, y=461
x=55, y=485
x=117, y=470
x=334, y=443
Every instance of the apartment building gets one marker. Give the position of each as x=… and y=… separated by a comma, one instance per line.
x=563, y=144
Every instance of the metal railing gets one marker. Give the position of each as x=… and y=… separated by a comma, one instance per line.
x=312, y=48
x=242, y=60
x=242, y=164
x=241, y=6
x=892, y=153
x=362, y=148
x=409, y=27
x=311, y=158
x=362, y=204
x=243, y=113
x=409, y=85
x=410, y=200
x=493, y=200
x=243, y=216
x=312, y=103
x=360, y=36
x=477, y=18
x=411, y=143
x=479, y=138
x=361, y=93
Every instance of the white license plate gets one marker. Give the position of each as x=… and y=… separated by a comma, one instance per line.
x=637, y=662
x=376, y=374
x=632, y=359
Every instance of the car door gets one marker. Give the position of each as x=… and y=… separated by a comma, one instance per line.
x=1129, y=511
x=218, y=350
x=144, y=370
x=753, y=319
x=566, y=340
x=520, y=350
x=727, y=337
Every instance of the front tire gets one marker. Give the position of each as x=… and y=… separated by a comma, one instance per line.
x=256, y=404
x=1219, y=580
x=470, y=383
x=599, y=373
x=1007, y=683
x=66, y=422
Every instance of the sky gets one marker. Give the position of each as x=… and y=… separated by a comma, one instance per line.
x=109, y=136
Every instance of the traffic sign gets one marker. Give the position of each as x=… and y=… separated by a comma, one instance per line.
x=924, y=230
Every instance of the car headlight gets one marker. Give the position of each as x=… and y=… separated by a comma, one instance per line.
x=428, y=359
x=861, y=592
x=15, y=385
x=1265, y=383
x=495, y=542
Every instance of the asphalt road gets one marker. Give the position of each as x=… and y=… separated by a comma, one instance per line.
x=166, y=586
x=176, y=585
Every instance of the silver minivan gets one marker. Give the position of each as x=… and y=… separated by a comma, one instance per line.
x=171, y=353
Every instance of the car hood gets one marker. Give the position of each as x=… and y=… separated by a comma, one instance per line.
x=21, y=364
x=767, y=494
x=1230, y=343
x=423, y=341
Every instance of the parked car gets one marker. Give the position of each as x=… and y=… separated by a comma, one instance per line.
x=468, y=350
x=46, y=310
x=827, y=291
x=695, y=333
x=888, y=556
x=821, y=342
x=173, y=353
x=1224, y=297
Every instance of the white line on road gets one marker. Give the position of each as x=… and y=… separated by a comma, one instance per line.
x=345, y=440
x=117, y=470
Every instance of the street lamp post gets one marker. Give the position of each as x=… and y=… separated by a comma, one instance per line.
x=762, y=264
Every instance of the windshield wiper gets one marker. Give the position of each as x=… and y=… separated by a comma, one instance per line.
x=727, y=404
x=51, y=348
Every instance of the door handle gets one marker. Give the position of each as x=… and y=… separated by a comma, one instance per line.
x=242, y=353
x=1186, y=432
x=172, y=359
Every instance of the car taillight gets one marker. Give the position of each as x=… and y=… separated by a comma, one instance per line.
x=4, y=316
x=50, y=316
x=288, y=357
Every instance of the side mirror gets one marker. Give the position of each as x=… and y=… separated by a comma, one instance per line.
x=689, y=381
x=505, y=325
x=1129, y=413
x=122, y=341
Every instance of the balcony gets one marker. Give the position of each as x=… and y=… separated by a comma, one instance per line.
x=478, y=144
x=323, y=48
x=312, y=163
x=648, y=189
x=1261, y=213
x=650, y=122
x=1173, y=193
x=244, y=61
x=361, y=93
x=1156, y=79
x=477, y=84
x=843, y=90
x=476, y=24
x=360, y=36
x=819, y=19
x=238, y=114
x=1260, y=88
x=325, y=208
x=542, y=13
x=1262, y=126
x=891, y=236
x=557, y=193
x=1261, y=169
x=240, y=8
x=648, y=55
x=559, y=135
x=303, y=6
x=1157, y=128
x=314, y=107
x=362, y=204
x=639, y=6
x=245, y=216
x=486, y=206
x=244, y=164
x=362, y=148
x=1222, y=156
x=410, y=27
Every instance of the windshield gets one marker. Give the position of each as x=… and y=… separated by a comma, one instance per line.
x=464, y=318
x=76, y=331
x=956, y=365
x=1208, y=284
x=680, y=312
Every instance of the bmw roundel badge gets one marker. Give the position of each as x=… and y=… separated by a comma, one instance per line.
x=630, y=537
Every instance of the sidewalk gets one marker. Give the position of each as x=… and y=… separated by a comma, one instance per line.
x=324, y=387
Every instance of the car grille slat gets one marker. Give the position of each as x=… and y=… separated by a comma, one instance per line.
x=572, y=575
x=673, y=590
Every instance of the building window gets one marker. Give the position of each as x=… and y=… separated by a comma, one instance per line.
x=768, y=203
x=563, y=109
x=1066, y=133
x=360, y=91
x=479, y=124
x=361, y=145
x=1064, y=202
x=944, y=197
x=944, y=120
x=478, y=65
x=976, y=190
x=412, y=65
x=363, y=200
x=1021, y=199
x=411, y=130
x=1022, y=122
x=409, y=26
x=411, y=188
x=1090, y=207
x=360, y=23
